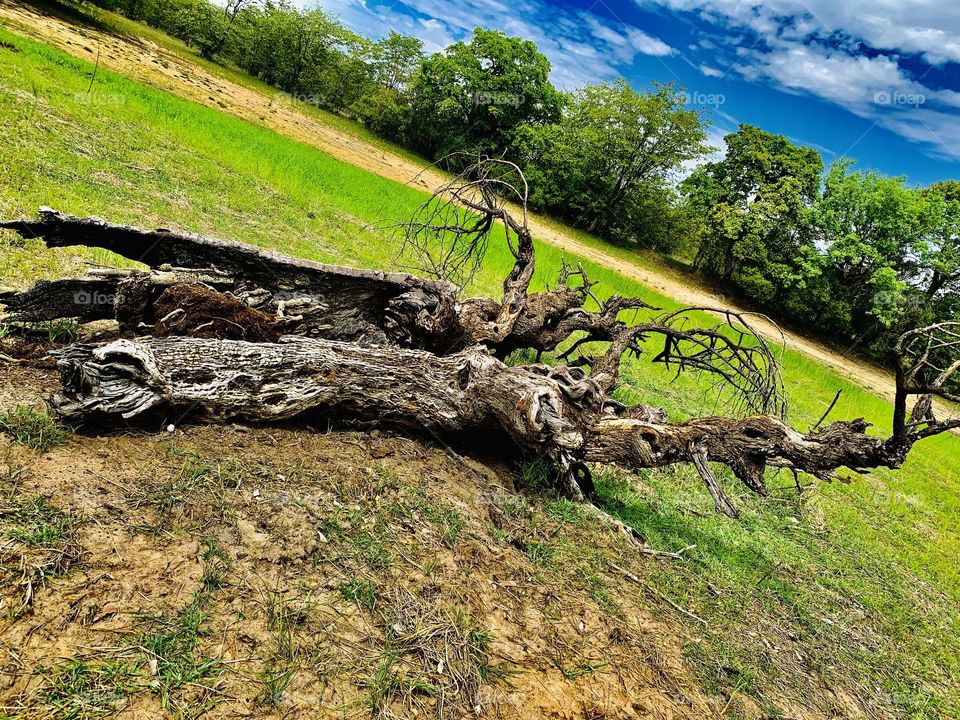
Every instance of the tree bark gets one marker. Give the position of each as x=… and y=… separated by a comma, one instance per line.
x=554, y=412
x=391, y=348
x=359, y=303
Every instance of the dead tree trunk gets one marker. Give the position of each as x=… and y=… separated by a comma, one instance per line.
x=551, y=412
x=356, y=304
x=392, y=348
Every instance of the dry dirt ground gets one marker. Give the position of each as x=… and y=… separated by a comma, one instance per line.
x=304, y=572
x=156, y=66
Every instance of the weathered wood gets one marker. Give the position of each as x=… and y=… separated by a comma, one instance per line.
x=374, y=307
x=356, y=300
x=441, y=381
x=85, y=299
x=556, y=412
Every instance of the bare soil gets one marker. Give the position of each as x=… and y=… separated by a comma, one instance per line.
x=151, y=64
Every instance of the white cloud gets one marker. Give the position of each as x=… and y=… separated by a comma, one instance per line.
x=927, y=27
x=582, y=47
x=644, y=44
x=816, y=48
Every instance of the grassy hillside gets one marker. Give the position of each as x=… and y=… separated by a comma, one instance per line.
x=848, y=589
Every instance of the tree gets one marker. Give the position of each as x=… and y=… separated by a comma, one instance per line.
x=218, y=27
x=755, y=202
x=873, y=229
x=611, y=153
x=474, y=96
x=395, y=59
x=307, y=53
x=385, y=108
x=940, y=251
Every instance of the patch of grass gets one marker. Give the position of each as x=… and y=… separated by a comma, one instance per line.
x=448, y=521
x=216, y=563
x=372, y=549
x=192, y=493
x=33, y=427
x=430, y=651
x=567, y=511
x=62, y=331
x=37, y=523
x=281, y=664
x=578, y=671
x=171, y=646
x=543, y=555
x=361, y=591
x=79, y=689
x=536, y=475
x=275, y=681
x=41, y=541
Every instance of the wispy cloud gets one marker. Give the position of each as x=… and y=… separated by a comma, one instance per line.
x=850, y=54
x=583, y=47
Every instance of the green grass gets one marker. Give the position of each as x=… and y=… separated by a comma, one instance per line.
x=861, y=580
x=171, y=644
x=32, y=427
x=38, y=523
x=360, y=591
x=79, y=689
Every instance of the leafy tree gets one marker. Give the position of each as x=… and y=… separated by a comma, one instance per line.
x=873, y=228
x=605, y=164
x=756, y=202
x=940, y=252
x=474, y=96
x=307, y=53
x=395, y=59
x=384, y=109
x=217, y=25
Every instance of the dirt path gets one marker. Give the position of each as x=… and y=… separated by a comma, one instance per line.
x=151, y=64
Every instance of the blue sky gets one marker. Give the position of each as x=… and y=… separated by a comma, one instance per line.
x=876, y=80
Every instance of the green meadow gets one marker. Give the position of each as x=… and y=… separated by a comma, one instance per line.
x=849, y=585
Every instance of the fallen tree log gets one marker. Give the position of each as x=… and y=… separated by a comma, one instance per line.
x=555, y=413
x=340, y=303
x=392, y=348
x=355, y=302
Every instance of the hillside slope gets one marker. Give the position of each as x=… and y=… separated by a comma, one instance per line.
x=172, y=71
x=293, y=570
x=840, y=600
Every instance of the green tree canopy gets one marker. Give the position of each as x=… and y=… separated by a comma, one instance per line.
x=755, y=202
x=874, y=231
x=940, y=252
x=605, y=164
x=474, y=96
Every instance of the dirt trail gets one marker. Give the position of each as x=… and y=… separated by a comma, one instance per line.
x=151, y=64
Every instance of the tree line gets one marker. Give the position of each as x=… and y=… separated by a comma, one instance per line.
x=853, y=255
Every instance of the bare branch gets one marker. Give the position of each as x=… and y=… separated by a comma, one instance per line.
x=448, y=235
x=927, y=360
